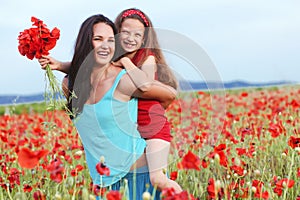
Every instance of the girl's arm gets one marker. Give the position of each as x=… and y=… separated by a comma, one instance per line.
x=54, y=64
x=143, y=77
x=155, y=89
x=163, y=93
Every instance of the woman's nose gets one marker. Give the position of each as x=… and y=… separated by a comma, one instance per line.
x=104, y=45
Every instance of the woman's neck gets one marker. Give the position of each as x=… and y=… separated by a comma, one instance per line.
x=99, y=68
x=99, y=72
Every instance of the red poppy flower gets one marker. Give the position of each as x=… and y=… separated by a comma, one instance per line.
x=189, y=161
x=56, y=170
x=38, y=195
x=244, y=94
x=281, y=184
x=294, y=142
x=27, y=188
x=220, y=154
x=102, y=169
x=295, y=103
x=38, y=40
x=173, y=175
x=276, y=129
x=204, y=163
x=113, y=195
x=214, y=191
x=14, y=177
x=167, y=192
x=78, y=168
x=237, y=169
x=258, y=190
x=73, y=172
x=99, y=191
x=29, y=159
x=243, y=151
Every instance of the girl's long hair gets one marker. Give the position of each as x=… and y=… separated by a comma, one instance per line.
x=82, y=64
x=151, y=46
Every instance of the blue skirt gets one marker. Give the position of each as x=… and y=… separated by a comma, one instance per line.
x=136, y=184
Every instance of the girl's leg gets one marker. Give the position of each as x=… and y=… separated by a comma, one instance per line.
x=157, y=152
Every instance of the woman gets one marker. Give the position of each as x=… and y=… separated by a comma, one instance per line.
x=104, y=112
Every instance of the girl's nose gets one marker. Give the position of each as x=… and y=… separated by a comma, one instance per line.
x=130, y=38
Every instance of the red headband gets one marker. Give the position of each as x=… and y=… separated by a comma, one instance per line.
x=135, y=12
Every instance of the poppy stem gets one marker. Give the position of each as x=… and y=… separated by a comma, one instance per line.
x=8, y=192
x=290, y=174
x=55, y=94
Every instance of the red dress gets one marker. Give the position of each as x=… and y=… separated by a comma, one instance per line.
x=152, y=122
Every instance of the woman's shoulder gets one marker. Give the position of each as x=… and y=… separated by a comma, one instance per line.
x=117, y=68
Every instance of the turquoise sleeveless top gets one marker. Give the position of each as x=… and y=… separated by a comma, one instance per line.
x=109, y=128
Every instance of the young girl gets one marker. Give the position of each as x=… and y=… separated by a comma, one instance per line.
x=139, y=42
x=140, y=48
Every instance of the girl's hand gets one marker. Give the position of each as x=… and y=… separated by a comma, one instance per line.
x=54, y=64
x=118, y=63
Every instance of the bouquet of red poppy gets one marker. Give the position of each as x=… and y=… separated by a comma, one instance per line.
x=36, y=42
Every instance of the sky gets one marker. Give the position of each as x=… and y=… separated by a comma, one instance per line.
x=249, y=40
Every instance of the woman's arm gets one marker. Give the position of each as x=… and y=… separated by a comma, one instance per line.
x=59, y=66
x=54, y=64
x=64, y=86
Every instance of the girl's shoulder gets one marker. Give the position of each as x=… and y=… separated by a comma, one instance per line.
x=142, y=53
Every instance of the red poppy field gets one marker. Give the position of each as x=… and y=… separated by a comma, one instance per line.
x=238, y=144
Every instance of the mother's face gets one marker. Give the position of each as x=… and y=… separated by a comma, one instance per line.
x=103, y=42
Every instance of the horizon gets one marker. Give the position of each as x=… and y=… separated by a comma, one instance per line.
x=248, y=83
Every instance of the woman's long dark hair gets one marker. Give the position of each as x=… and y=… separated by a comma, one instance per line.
x=82, y=64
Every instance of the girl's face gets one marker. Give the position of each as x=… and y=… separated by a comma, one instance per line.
x=132, y=35
x=103, y=42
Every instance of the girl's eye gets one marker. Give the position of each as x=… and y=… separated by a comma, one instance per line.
x=111, y=40
x=125, y=32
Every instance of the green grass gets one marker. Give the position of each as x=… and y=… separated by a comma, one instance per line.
x=38, y=107
x=23, y=108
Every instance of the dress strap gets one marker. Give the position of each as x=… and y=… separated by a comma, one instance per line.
x=117, y=80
